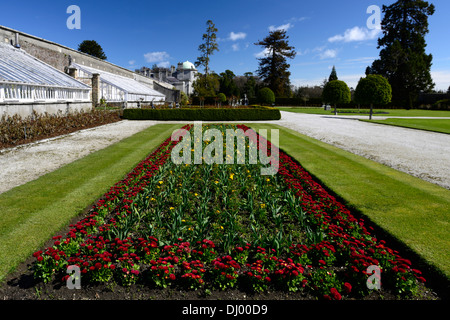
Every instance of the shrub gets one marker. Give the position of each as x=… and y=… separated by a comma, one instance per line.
x=266, y=96
x=336, y=92
x=204, y=114
x=374, y=89
x=222, y=97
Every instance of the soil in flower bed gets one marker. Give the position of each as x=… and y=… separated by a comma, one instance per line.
x=216, y=231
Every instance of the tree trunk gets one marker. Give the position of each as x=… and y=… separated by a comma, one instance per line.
x=371, y=108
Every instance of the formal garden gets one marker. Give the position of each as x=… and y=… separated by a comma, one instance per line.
x=193, y=231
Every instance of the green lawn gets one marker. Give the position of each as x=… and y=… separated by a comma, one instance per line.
x=382, y=112
x=436, y=125
x=34, y=212
x=413, y=211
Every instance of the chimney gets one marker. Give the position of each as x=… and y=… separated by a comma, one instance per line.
x=17, y=45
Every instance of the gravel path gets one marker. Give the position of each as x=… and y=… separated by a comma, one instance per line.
x=28, y=162
x=423, y=154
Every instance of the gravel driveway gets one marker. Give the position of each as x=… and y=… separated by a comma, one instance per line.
x=423, y=154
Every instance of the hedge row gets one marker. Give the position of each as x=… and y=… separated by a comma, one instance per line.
x=204, y=114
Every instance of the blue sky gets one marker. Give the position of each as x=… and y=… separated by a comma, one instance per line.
x=143, y=33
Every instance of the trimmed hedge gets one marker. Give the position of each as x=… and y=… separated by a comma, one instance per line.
x=204, y=114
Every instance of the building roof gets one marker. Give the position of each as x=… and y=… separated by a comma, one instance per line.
x=126, y=84
x=17, y=66
x=188, y=65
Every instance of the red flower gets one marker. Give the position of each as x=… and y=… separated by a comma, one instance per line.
x=347, y=287
x=336, y=295
x=172, y=276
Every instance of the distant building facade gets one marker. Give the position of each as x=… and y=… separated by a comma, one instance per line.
x=182, y=77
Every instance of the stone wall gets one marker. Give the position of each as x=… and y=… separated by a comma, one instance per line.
x=26, y=109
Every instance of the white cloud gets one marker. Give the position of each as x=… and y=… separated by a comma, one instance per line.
x=355, y=34
x=235, y=47
x=285, y=27
x=158, y=56
x=263, y=53
x=328, y=54
x=441, y=79
x=237, y=36
x=131, y=62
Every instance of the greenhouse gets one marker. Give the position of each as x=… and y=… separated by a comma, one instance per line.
x=26, y=79
x=115, y=88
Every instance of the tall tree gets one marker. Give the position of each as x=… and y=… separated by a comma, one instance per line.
x=403, y=60
x=92, y=48
x=333, y=75
x=273, y=67
x=208, y=47
x=227, y=84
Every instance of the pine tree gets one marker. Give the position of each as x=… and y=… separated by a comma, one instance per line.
x=92, y=48
x=333, y=75
x=208, y=47
x=403, y=60
x=273, y=68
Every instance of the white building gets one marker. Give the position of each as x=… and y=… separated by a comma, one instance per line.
x=182, y=78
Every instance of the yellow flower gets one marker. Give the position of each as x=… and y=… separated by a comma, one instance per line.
x=221, y=227
x=160, y=182
x=195, y=194
x=231, y=176
x=263, y=205
x=267, y=179
x=152, y=199
x=171, y=208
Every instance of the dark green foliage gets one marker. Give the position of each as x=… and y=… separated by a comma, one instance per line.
x=333, y=75
x=222, y=97
x=273, y=68
x=336, y=92
x=92, y=48
x=403, y=60
x=204, y=114
x=373, y=89
x=266, y=96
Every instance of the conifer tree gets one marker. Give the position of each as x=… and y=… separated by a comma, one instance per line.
x=403, y=60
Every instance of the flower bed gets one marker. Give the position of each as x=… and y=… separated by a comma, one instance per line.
x=225, y=226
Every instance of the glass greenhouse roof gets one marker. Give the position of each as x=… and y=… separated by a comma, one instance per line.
x=19, y=67
x=128, y=85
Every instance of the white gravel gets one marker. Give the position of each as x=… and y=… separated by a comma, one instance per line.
x=422, y=154
x=28, y=162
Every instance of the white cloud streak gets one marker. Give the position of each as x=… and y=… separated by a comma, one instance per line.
x=157, y=56
x=356, y=34
x=285, y=27
x=237, y=36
